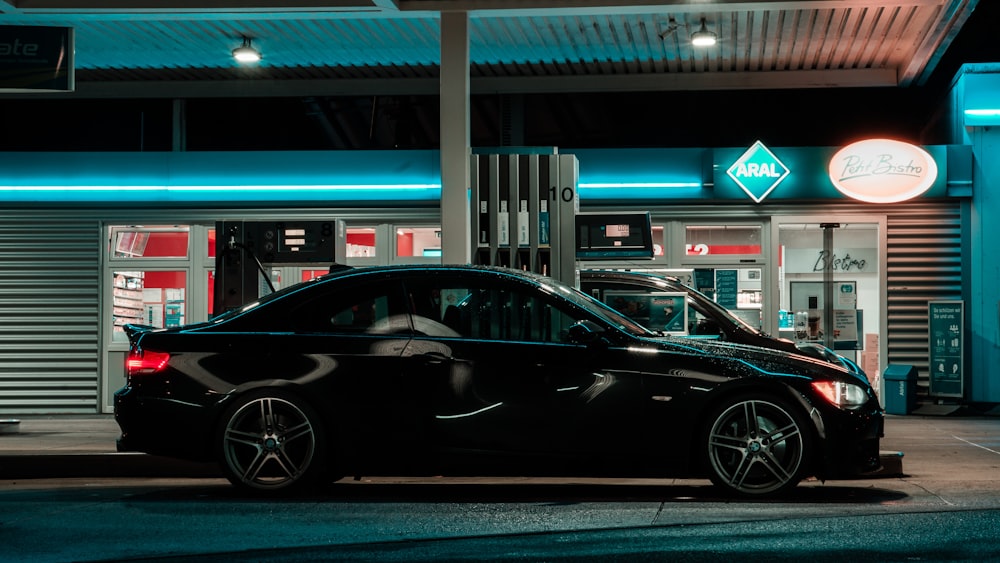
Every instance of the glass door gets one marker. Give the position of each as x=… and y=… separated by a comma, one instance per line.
x=729, y=264
x=830, y=286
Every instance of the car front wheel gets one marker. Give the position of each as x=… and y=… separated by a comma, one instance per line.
x=271, y=442
x=756, y=446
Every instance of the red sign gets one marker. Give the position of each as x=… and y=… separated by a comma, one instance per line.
x=726, y=249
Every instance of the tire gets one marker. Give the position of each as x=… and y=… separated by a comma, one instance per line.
x=272, y=442
x=756, y=445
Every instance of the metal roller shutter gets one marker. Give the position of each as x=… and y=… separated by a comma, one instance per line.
x=49, y=314
x=924, y=258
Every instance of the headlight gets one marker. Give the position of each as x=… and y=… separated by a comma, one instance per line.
x=841, y=394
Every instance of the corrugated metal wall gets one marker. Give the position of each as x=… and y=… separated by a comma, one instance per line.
x=49, y=314
x=924, y=258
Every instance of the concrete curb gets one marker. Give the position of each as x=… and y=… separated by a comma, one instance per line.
x=51, y=466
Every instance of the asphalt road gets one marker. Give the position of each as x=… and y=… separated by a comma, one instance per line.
x=944, y=505
x=140, y=519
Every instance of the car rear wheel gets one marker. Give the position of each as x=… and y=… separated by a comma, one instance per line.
x=272, y=442
x=756, y=445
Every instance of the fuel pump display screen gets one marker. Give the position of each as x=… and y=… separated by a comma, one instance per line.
x=290, y=242
x=605, y=236
x=617, y=233
x=243, y=248
x=295, y=240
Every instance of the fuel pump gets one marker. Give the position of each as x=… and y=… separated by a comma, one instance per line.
x=243, y=249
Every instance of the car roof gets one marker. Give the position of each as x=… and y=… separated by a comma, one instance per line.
x=631, y=275
x=338, y=270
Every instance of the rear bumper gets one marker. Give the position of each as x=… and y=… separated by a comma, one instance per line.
x=163, y=427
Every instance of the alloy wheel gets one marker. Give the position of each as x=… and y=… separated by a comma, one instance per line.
x=269, y=443
x=756, y=447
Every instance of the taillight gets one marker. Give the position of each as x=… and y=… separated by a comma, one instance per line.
x=145, y=362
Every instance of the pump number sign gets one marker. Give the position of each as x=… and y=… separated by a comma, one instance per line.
x=758, y=171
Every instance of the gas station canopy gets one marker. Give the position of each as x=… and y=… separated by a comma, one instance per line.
x=179, y=48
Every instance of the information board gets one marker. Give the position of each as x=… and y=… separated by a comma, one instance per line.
x=945, y=325
x=726, y=286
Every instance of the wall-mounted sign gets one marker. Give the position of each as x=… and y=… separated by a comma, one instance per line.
x=758, y=171
x=841, y=261
x=882, y=171
x=727, y=288
x=945, y=325
x=36, y=59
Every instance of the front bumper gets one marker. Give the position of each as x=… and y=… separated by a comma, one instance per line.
x=850, y=443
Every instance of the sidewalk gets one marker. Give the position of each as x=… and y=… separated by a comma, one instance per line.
x=84, y=446
x=79, y=446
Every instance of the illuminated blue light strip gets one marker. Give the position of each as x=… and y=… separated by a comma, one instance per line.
x=624, y=191
x=338, y=192
x=640, y=185
x=398, y=187
x=982, y=117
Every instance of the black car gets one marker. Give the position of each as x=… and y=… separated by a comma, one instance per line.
x=706, y=318
x=467, y=370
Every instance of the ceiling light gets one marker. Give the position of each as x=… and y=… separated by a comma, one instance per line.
x=246, y=53
x=703, y=37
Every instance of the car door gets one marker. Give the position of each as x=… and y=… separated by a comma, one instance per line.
x=505, y=380
x=358, y=332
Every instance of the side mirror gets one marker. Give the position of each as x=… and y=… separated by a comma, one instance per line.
x=585, y=332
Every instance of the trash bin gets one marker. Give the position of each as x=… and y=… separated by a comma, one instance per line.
x=900, y=391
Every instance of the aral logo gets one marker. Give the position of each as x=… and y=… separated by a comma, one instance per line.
x=758, y=172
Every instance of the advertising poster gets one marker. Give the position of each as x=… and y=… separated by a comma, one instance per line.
x=945, y=323
x=726, y=286
x=36, y=59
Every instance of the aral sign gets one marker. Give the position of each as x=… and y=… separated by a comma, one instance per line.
x=758, y=171
x=882, y=171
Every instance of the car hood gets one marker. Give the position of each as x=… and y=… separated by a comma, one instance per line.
x=766, y=359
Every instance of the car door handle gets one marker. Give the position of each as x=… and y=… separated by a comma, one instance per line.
x=435, y=358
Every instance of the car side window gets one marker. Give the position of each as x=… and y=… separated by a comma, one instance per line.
x=610, y=294
x=486, y=312
x=372, y=309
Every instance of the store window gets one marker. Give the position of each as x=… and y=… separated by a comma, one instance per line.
x=147, y=297
x=147, y=286
x=361, y=242
x=149, y=242
x=722, y=240
x=659, y=240
x=424, y=242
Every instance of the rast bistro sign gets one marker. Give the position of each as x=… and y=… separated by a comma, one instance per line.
x=840, y=261
x=882, y=171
